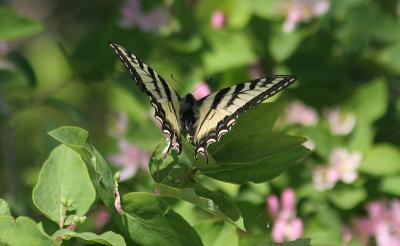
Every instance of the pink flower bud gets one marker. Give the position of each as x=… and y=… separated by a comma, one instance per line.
x=217, y=19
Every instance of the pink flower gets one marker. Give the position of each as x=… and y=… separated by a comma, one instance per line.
x=217, y=19
x=102, y=216
x=130, y=159
x=119, y=125
x=299, y=113
x=303, y=11
x=382, y=222
x=286, y=225
x=201, y=90
x=346, y=164
x=342, y=166
x=340, y=123
x=325, y=178
x=133, y=15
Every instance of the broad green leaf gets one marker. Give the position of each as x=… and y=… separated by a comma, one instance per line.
x=22, y=231
x=391, y=185
x=107, y=238
x=63, y=178
x=370, y=101
x=382, y=159
x=347, y=198
x=4, y=208
x=13, y=26
x=70, y=136
x=148, y=220
x=282, y=45
x=205, y=199
x=255, y=157
x=362, y=137
x=215, y=233
x=99, y=170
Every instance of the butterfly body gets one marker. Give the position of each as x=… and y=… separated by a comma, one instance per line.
x=189, y=115
x=202, y=121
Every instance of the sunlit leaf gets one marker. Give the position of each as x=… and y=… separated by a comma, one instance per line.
x=99, y=170
x=63, y=179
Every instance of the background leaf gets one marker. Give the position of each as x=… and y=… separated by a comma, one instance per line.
x=382, y=159
x=4, y=208
x=216, y=233
x=13, y=26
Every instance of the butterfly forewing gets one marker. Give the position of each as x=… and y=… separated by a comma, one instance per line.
x=220, y=110
x=163, y=98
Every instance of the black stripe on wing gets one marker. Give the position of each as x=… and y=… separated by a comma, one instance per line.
x=134, y=65
x=271, y=85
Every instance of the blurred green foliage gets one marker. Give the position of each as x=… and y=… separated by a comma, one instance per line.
x=57, y=70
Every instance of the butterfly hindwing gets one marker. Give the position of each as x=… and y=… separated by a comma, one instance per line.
x=220, y=110
x=163, y=98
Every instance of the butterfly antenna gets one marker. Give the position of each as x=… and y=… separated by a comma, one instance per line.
x=179, y=84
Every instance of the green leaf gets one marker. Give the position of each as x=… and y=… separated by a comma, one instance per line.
x=255, y=157
x=149, y=221
x=381, y=160
x=4, y=208
x=207, y=200
x=107, y=238
x=13, y=26
x=347, y=198
x=220, y=57
x=99, y=170
x=63, y=179
x=282, y=45
x=362, y=137
x=70, y=135
x=391, y=185
x=217, y=233
x=22, y=231
x=366, y=109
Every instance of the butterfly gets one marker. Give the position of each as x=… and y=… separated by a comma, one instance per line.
x=202, y=121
